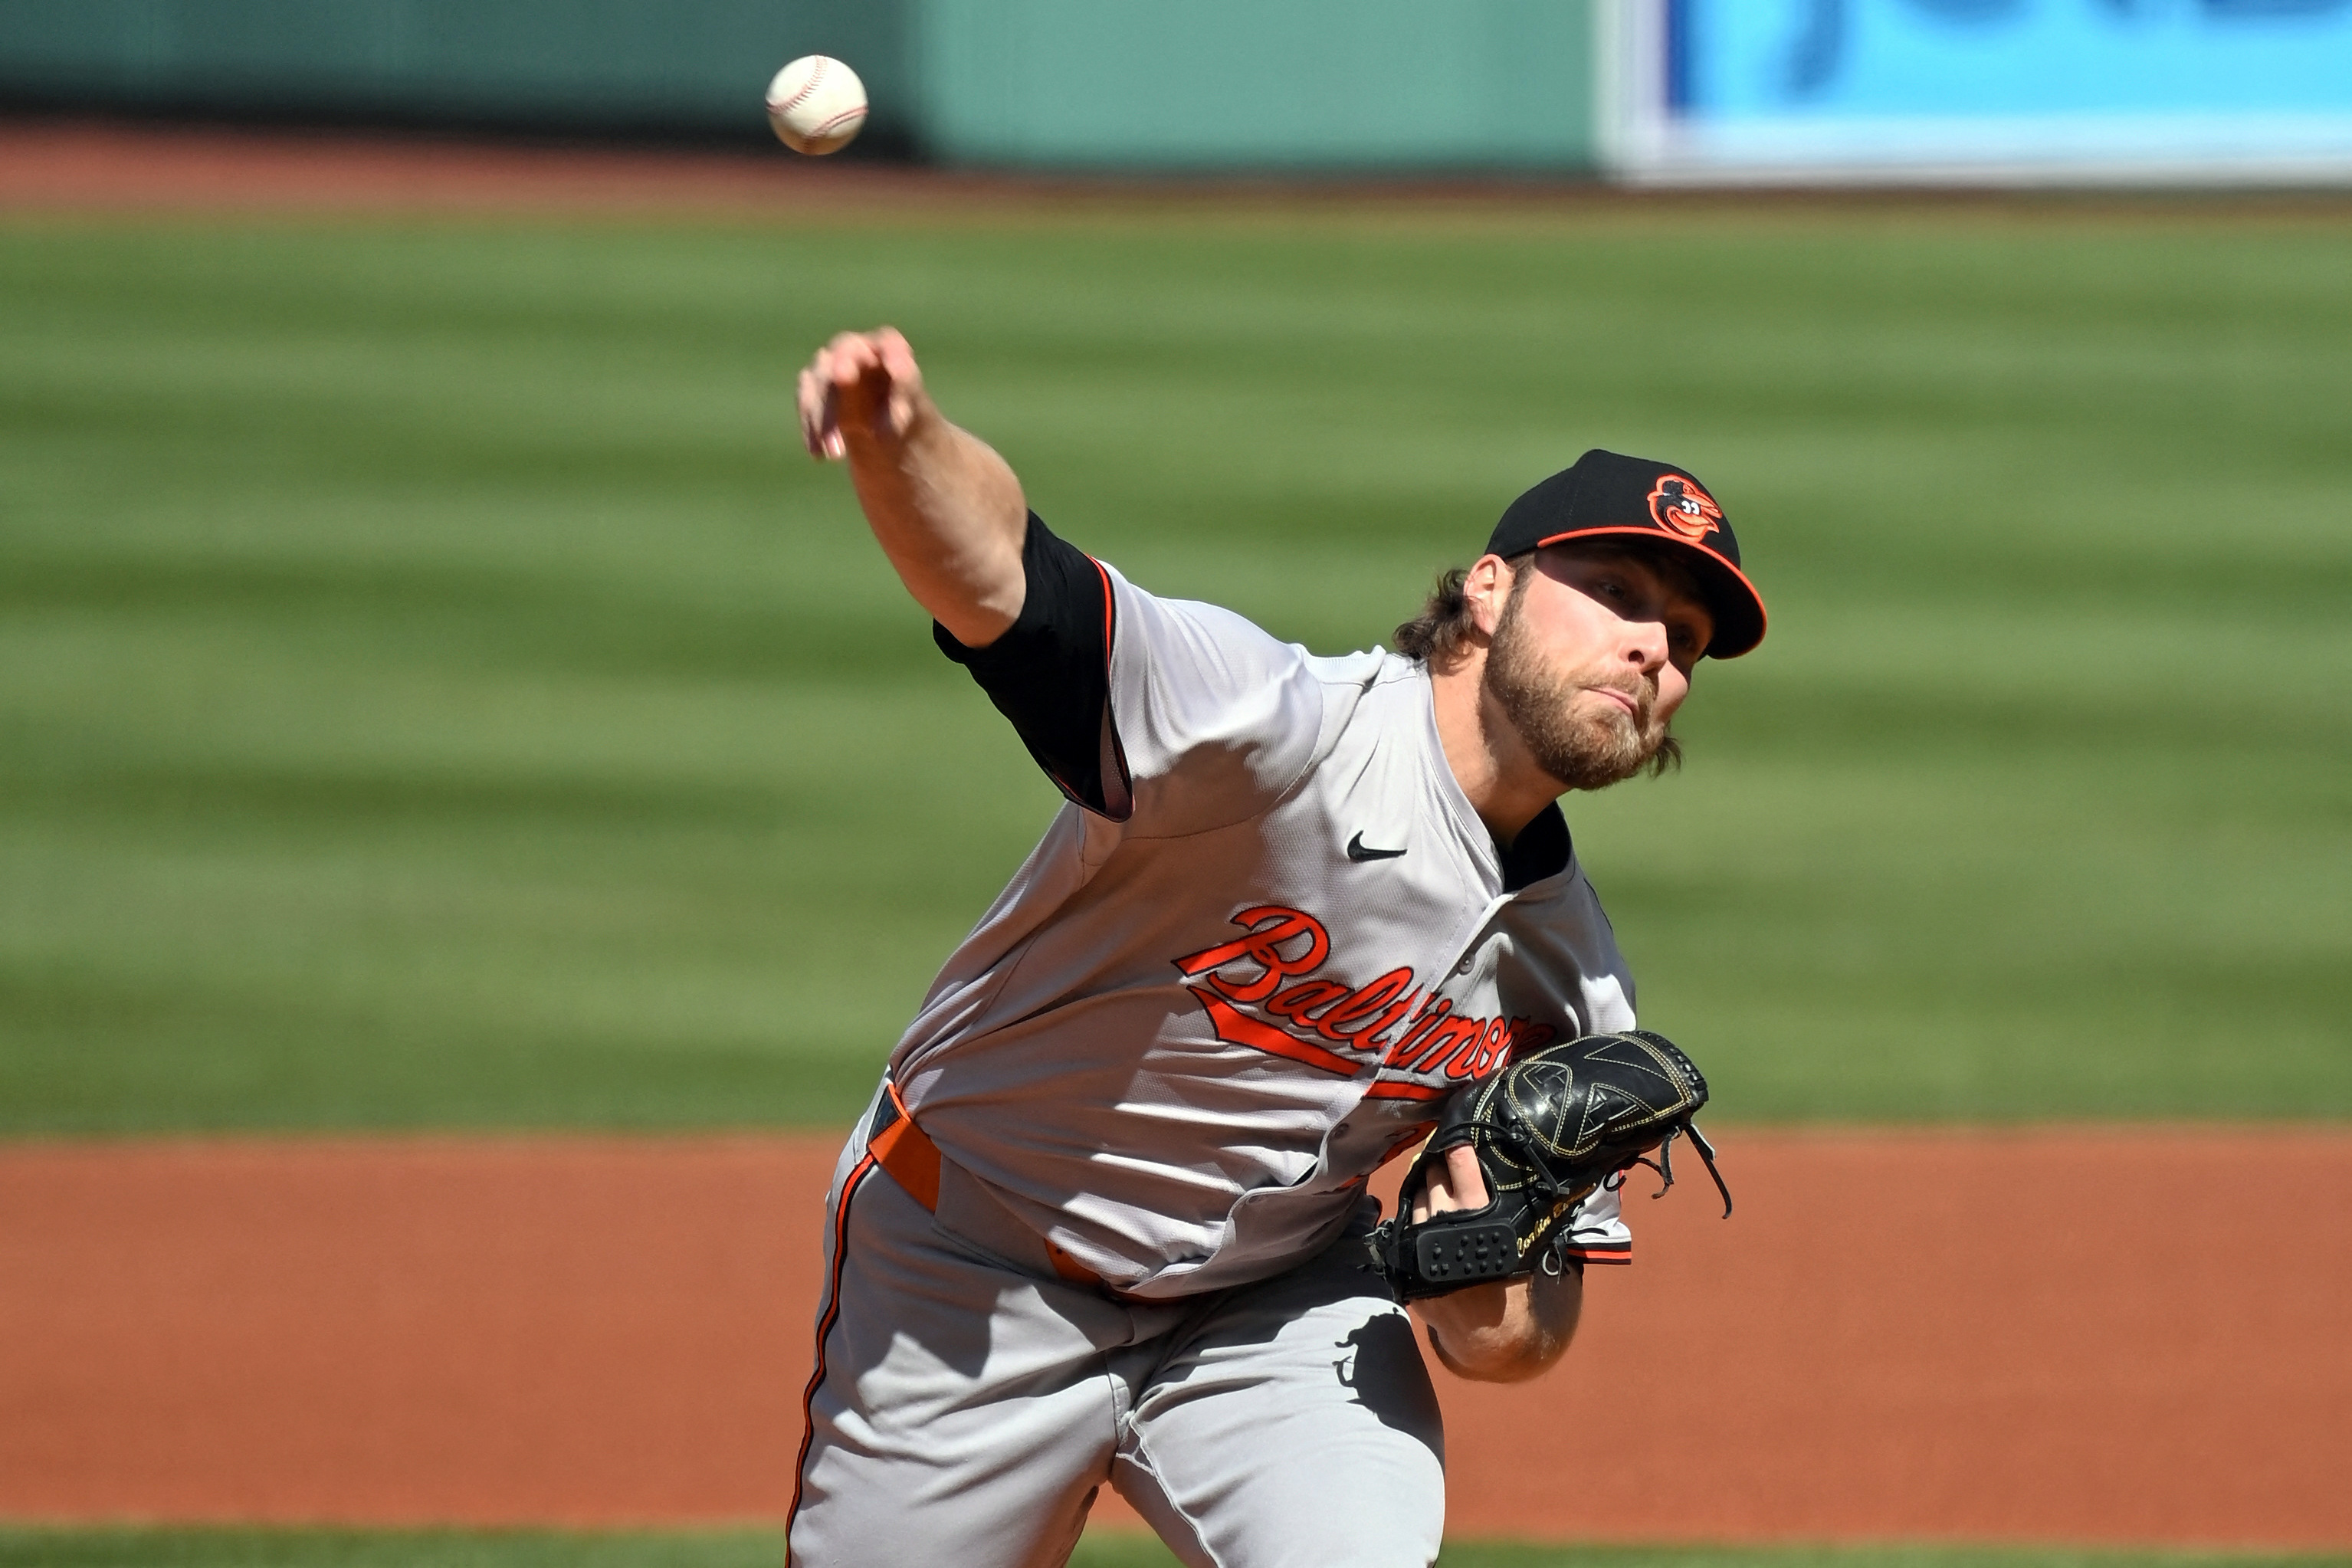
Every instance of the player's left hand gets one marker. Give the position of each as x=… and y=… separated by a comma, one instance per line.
x=1515, y=1152
x=1458, y=1183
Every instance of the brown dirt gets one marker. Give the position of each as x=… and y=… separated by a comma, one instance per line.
x=97, y=166
x=2097, y=1336
x=74, y=166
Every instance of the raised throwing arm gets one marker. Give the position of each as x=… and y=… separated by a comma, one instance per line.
x=946, y=510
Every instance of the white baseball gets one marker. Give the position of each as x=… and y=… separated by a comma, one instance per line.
x=817, y=105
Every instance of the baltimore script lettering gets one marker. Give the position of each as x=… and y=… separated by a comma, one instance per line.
x=1257, y=992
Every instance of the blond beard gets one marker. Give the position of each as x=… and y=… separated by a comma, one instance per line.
x=1582, y=750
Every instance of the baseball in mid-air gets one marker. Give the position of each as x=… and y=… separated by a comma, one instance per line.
x=817, y=105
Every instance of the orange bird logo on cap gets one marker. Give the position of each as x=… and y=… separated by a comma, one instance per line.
x=1681, y=507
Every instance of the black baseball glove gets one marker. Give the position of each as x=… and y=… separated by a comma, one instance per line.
x=1548, y=1128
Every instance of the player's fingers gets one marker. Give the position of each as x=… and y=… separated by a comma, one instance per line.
x=820, y=415
x=1465, y=1181
x=864, y=387
x=1435, y=1194
x=809, y=400
x=809, y=404
x=823, y=437
x=849, y=357
x=859, y=384
x=898, y=356
x=876, y=403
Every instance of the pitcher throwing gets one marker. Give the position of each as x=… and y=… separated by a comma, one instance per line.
x=1105, y=1221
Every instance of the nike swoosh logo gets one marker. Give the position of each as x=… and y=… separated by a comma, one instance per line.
x=1356, y=851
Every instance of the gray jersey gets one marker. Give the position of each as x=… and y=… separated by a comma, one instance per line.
x=1192, y=1026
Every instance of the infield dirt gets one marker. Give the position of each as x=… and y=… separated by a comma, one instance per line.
x=2054, y=1335
x=2101, y=1335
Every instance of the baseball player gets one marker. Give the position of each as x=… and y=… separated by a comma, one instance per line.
x=1106, y=1220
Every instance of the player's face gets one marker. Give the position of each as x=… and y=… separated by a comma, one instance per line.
x=1590, y=658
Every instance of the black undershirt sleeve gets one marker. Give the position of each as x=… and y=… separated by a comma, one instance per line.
x=1050, y=672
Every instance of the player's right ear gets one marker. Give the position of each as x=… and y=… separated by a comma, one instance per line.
x=1486, y=588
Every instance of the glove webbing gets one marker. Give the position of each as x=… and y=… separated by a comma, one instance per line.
x=1665, y=1165
x=1496, y=1133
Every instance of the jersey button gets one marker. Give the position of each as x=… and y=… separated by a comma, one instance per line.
x=1462, y=967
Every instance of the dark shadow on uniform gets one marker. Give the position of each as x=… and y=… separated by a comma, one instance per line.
x=1383, y=1367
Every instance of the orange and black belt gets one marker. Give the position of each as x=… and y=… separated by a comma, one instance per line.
x=907, y=1154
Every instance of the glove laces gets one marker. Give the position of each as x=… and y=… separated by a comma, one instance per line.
x=1664, y=1163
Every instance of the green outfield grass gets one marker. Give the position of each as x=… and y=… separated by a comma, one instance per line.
x=760, y=1549
x=433, y=690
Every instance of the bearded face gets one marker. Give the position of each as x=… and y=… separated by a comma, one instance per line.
x=1586, y=741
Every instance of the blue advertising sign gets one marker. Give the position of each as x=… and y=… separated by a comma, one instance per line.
x=2145, y=87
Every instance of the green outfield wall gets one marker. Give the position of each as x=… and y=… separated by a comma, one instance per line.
x=682, y=66
x=1413, y=84
x=1363, y=84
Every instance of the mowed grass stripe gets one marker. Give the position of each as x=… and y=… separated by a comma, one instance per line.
x=222, y=1547
x=433, y=690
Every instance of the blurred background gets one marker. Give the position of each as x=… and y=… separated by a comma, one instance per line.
x=1805, y=91
x=437, y=698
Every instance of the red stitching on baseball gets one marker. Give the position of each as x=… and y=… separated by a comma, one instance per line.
x=844, y=116
x=816, y=76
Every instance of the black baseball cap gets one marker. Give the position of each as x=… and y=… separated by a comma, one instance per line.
x=1605, y=493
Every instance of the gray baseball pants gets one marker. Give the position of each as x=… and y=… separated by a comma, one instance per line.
x=967, y=1403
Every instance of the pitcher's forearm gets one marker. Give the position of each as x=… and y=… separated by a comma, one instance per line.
x=950, y=514
x=946, y=510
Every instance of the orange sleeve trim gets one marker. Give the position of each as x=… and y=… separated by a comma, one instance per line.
x=1108, y=605
x=1110, y=712
x=1601, y=1252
